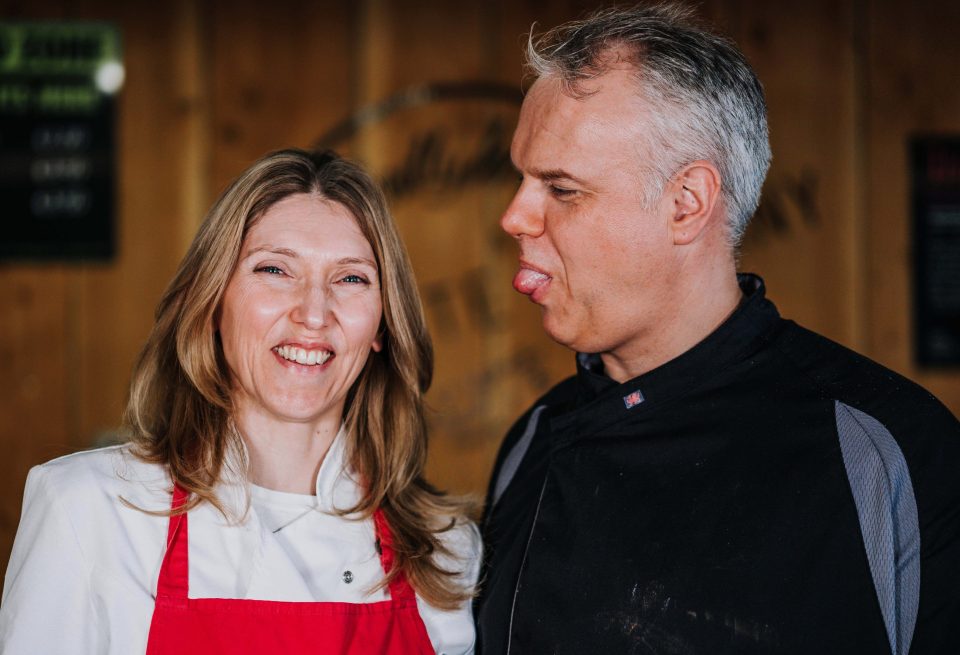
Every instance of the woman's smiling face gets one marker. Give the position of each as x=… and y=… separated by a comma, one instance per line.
x=301, y=311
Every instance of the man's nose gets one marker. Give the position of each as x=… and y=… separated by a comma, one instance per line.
x=312, y=307
x=524, y=215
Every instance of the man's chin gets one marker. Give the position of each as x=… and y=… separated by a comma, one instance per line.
x=575, y=335
x=559, y=330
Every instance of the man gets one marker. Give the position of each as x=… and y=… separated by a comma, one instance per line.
x=714, y=479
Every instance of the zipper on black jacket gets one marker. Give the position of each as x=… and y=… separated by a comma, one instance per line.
x=523, y=561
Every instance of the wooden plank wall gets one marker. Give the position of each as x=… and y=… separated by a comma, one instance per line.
x=910, y=85
x=213, y=85
x=70, y=332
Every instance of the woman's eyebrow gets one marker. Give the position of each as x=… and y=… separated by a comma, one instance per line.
x=343, y=261
x=356, y=260
x=271, y=249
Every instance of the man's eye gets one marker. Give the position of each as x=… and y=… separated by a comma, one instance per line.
x=561, y=192
x=273, y=270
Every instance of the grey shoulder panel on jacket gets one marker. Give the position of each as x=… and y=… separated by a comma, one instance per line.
x=887, y=509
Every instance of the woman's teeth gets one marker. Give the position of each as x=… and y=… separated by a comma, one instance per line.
x=301, y=356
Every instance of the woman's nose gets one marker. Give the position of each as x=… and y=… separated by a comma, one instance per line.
x=312, y=308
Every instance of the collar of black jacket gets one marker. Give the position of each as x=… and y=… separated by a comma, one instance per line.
x=601, y=401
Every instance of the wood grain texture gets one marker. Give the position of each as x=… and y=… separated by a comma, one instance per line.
x=281, y=73
x=912, y=86
x=802, y=239
x=36, y=413
x=160, y=108
x=78, y=327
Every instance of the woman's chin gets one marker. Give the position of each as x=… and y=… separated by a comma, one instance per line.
x=291, y=410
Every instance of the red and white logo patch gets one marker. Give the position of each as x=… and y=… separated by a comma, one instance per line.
x=633, y=399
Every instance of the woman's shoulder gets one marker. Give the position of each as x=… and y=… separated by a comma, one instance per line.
x=464, y=549
x=452, y=630
x=101, y=474
x=463, y=538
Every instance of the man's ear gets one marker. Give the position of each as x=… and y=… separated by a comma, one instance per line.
x=696, y=193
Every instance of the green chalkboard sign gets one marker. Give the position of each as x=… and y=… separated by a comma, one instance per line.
x=58, y=87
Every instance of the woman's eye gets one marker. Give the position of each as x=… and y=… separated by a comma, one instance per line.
x=354, y=279
x=273, y=270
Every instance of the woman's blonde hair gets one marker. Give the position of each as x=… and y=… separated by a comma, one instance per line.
x=179, y=407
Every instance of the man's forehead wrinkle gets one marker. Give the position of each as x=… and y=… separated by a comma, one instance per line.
x=545, y=128
x=543, y=136
x=575, y=138
x=555, y=162
x=594, y=125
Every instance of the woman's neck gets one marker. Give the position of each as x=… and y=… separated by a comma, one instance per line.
x=285, y=456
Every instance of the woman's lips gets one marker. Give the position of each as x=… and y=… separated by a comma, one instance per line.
x=309, y=357
x=299, y=356
x=529, y=280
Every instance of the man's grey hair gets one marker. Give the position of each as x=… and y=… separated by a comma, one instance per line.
x=706, y=102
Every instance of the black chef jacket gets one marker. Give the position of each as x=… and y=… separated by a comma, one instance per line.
x=768, y=491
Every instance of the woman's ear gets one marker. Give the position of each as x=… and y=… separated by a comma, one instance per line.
x=377, y=345
x=696, y=193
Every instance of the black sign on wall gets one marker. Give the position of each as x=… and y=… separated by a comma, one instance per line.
x=936, y=235
x=58, y=85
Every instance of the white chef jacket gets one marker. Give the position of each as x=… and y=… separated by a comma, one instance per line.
x=83, y=572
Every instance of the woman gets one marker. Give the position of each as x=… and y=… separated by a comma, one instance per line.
x=271, y=499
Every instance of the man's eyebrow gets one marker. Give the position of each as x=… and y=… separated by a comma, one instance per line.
x=555, y=174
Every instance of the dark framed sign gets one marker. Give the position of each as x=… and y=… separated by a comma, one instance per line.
x=58, y=86
x=935, y=162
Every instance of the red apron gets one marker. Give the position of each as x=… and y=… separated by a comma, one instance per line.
x=184, y=626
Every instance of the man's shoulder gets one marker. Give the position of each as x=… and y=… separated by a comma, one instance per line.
x=562, y=393
x=845, y=376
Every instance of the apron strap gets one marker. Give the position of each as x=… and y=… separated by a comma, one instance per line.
x=174, y=581
x=400, y=589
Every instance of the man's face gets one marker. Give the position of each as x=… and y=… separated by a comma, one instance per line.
x=598, y=264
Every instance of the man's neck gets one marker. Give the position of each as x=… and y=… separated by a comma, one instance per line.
x=695, y=313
